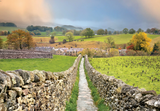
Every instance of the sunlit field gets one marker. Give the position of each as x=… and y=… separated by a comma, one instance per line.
x=56, y=64
x=137, y=71
x=119, y=38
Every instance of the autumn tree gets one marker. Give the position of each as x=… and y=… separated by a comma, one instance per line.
x=1, y=43
x=141, y=42
x=132, y=31
x=20, y=39
x=140, y=30
x=105, y=32
x=69, y=36
x=125, y=30
x=100, y=32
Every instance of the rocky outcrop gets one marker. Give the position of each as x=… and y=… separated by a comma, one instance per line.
x=120, y=96
x=15, y=54
x=22, y=90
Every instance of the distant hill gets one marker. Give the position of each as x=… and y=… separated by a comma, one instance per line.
x=70, y=27
x=110, y=29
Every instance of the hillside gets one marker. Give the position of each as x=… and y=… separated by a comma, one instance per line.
x=70, y=27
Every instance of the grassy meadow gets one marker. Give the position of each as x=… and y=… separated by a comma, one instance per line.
x=4, y=38
x=137, y=71
x=119, y=38
x=10, y=28
x=56, y=64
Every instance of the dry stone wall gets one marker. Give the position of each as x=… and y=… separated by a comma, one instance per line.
x=22, y=90
x=14, y=54
x=120, y=96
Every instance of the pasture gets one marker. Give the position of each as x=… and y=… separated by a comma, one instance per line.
x=56, y=64
x=137, y=71
x=4, y=38
x=10, y=28
x=119, y=38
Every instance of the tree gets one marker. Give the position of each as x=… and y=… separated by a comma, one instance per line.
x=1, y=43
x=87, y=33
x=20, y=39
x=139, y=30
x=125, y=30
x=53, y=34
x=141, y=42
x=48, y=32
x=148, y=31
x=63, y=32
x=52, y=41
x=109, y=32
x=156, y=47
x=111, y=42
x=105, y=32
x=132, y=31
x=100, y=32
x=64, y=41
x=153, y=30
x=69, y=36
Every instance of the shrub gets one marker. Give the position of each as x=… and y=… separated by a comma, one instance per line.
x=141, y=53
x=113, y=52
x=131, y=53
x=130, y=47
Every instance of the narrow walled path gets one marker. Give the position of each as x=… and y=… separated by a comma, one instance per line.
x=85, y=101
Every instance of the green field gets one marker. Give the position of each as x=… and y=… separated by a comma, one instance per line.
x=56, y=64
x=4, y=38
x=137, y=71
x=119, y=39
x=10, y=28
x=60, y=38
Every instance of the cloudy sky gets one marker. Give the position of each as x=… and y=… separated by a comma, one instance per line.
x=116, y=14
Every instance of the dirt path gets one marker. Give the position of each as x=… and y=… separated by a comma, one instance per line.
x=85, y=101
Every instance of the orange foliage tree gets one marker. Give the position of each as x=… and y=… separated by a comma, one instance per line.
x=20, y=39
x=141, y=42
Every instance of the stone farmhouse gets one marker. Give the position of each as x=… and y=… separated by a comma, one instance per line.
x=58, y=52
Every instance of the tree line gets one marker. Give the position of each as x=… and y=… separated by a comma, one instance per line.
x=7, y=24
x=40, y=28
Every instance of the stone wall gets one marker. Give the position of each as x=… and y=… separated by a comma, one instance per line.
x=120, y=96
x=22, y=90
x=14, y=54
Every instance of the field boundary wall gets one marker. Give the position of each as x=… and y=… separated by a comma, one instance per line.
x=15, y=54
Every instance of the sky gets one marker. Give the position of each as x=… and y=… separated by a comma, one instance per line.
x=116, y=14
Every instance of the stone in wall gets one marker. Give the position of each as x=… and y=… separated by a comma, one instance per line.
x=120, y=96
